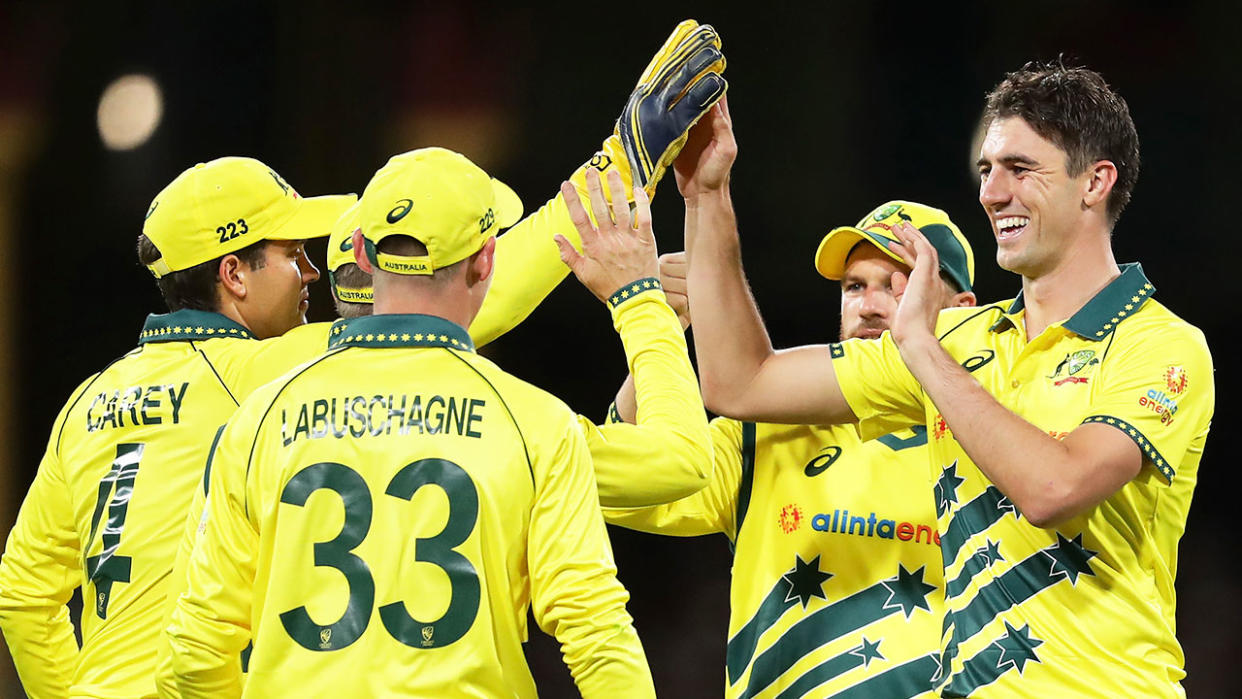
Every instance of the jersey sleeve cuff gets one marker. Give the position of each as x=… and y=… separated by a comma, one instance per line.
x=1149, y=450
x=638, y=289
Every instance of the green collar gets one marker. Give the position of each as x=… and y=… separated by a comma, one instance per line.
x=1096, y=319
x=189, y=324
x=400, y=330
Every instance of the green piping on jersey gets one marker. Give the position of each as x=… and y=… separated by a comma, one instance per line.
x=188, y=324
x=748, y=477
x=211, y=454
x=400, y=330
x=1149, y=449
x=512, y=417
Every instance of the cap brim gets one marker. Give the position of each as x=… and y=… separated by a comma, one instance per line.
x=508, y=204
x=836, y=246
x=314, y=218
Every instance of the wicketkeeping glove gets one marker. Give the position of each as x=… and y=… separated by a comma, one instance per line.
x=680, y=84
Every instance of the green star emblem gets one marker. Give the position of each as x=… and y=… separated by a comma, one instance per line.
x=868, y=651
x=908, y=591
x=1017, y=647
x=1069, y=558
x=991, y=552
x=805, y=580
x=946, y=488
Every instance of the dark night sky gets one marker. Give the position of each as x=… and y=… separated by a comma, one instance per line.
x=836, y=109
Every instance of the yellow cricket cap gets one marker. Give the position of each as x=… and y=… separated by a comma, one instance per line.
x=957, y=260
x=341, y=253
x=439, y=198
x=224, y=205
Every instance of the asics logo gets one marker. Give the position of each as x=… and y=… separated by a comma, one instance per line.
x=399, y=211
x=978, y=361
x=348, y=243
x=827, y=457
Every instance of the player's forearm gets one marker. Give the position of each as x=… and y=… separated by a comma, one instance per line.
x=670, y=418
x=730, y=340
x=202, y=670
x=1037, y=472
x=528, y=268
x=617, y=667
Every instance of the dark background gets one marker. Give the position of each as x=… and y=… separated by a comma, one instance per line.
x=837, y=108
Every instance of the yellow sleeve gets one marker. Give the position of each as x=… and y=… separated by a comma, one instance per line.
x=712, y=509
x=528, y=268
x=246, y=365
x=667, y=454
x=879, y=388
x=210, y=624
x=40, y=570
x=575, y=594
x=1160, y=397
x=165, y=679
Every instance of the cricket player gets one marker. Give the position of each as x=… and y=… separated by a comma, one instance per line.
x=382, y=518
x=224, y=241
x=1065, y=426
x=837, y=586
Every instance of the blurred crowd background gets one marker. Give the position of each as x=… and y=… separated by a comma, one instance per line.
x=837, y=107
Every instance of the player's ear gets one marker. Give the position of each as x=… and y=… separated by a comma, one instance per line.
x=360, y=252
x=1100, y=178
x=232, y=276
x=963, y=298
x=483, y=262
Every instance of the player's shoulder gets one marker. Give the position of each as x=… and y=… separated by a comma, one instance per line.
x=1154, y=318
x=529, y=403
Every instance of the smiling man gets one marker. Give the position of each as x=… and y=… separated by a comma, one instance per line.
x=1060, y=502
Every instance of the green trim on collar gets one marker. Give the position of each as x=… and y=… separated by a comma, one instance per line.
x=1123, y=297
x=1149, y=449
x=188, y=324
x=633, y=289
x=399, y=330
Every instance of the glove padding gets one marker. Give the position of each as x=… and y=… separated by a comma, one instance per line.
x=680, y=84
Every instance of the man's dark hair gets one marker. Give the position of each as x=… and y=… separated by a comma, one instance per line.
x=1076, y=110
x=195, y=287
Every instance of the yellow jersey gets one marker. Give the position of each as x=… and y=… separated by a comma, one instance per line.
x=1086, y=607
x=380, y=520
x=836, y=587
x=125, y=460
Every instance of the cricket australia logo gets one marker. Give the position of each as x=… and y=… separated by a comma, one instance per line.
x=325, y=638
x=1075, y=367
x=428, y=632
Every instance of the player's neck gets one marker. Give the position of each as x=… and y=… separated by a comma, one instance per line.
x=1059, y=293
x=442, y=303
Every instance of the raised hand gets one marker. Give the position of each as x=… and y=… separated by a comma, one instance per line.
x=620, y=250
x=919, y=294
x=707, y=157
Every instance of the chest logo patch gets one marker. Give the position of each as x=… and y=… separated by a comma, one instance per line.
x=1175, y=379
x=791, y=518
x=1075, y=368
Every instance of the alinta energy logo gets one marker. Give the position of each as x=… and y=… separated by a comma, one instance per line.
x=840, y=521
x=790, y=518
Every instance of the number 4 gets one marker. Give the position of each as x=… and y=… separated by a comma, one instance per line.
x=107, y=567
